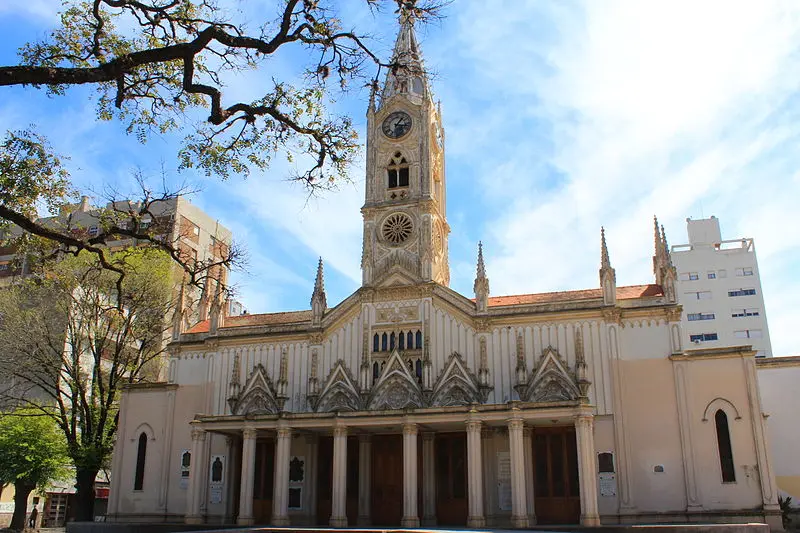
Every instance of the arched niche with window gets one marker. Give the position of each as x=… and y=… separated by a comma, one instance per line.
x=141, y=457
x=724, y=447
x=397, y=172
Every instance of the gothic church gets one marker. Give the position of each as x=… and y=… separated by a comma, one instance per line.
x=409, y=404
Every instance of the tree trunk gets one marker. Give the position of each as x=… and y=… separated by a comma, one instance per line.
x=84, y=497
x=21, y=492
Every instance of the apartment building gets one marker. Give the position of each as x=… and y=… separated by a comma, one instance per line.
x=720, y=289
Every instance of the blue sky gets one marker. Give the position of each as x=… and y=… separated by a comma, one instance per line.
x=560, y=117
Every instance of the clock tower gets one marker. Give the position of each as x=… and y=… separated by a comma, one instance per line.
x=405, y=224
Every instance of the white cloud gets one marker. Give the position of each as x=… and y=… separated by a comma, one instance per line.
x=664, y=108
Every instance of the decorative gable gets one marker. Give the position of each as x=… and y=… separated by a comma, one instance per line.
x=457, y=385
x=396, y=388
x=258, y=397
x=340, y=392
x=550, y=381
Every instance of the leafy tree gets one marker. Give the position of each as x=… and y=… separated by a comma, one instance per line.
x=71, y=340
x=34, y=455
x=160, y=66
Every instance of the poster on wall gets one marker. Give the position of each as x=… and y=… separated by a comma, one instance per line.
x=185, y=462
x=297, y=478
x=608, y=484
x=504, y=481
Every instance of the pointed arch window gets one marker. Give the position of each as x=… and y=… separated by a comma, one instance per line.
x=410, y=340
x=724, y=447
x=375, y=372
x=392, y=341
x=397, y=171
x=141, y=455
x=376, y=343
x=418, y=343
x=401, y=341
x=418, y=370
x=384, y=342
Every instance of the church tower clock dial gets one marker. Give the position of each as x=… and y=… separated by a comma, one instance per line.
x=405, y=225
x=396, y=125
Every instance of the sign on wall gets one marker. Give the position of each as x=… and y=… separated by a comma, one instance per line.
x=216, y=478
x=297, y=478
x=504, y=480
x=185, y=462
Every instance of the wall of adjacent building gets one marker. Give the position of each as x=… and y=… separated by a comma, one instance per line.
x=779, y=380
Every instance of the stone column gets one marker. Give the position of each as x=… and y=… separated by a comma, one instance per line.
x=587, y=469
x=339, y=489
x=249, y=436
x=527, y=443
x=410, y=511
x=519, y=503
x=312, y=468
x=475, y=516
x=231, y=445
x=280, y=491
x=364, y=478
x=197, y=477
x=428, y=479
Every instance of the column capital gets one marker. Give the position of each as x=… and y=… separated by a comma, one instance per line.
x=474, y=426
x=516, y=424
x=428, y=435
x=249, y=433
x=409, y=429
x=340, y=431
x=585, y=420
x=527, y=432
x=284, y=432
x=364, y=437
x=198, y=434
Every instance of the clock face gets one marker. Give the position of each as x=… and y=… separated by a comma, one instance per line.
x=396, y=125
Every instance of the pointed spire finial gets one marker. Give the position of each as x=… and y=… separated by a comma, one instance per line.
x=481, y=286
x=481, y=271
x=605, y=262
x=406, y=74
x=319, y=302
x=657, y=235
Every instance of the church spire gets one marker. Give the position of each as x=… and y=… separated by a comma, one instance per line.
x=608, y=276
x=664, y=270
x=481, y=285
x=319, y=302
x=406, y=74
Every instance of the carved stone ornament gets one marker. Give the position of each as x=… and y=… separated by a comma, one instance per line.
x=673, y=314
x=613, y=315
x=409, y=313
x=550, y=381
x=396, y=387
x=258, y=396
x=340, y=392
x=457, y=385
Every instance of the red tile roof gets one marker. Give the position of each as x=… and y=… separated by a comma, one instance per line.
x=265, y=319
x=293, y=317
x=623, y=293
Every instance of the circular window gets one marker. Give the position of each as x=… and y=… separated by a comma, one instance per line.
x=397, y=228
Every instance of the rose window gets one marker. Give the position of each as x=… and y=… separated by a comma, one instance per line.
x=397, y=228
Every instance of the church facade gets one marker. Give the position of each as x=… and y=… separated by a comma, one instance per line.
x=408, y=404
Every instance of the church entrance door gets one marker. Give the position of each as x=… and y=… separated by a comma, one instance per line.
x=451, y=479
x=387, y=480
x=262, y=481
x=556, y=489
x=325, y=481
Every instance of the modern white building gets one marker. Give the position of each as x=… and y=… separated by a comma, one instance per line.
x=720, y=289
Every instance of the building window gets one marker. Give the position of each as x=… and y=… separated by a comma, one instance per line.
x=410, y=340
x=376, y=343
x=699, y=316
x=93, y=231
x=384, y=342
x=693, y=276
x=401, y=341
x=744, y=271
x=376, y=371
x=397, y=171
x=748, y=334
x=741, y=292
x=392, y=339
x=699, y=295
x=748, y=311
x=703, y=337
x=712, y=275
x=418, y=342
x=724, y=447
x=141, y=453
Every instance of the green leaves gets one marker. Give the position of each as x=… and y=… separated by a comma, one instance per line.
x=33, y=449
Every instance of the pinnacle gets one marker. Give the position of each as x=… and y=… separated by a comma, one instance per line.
x=481, y=270
x=605, y=262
